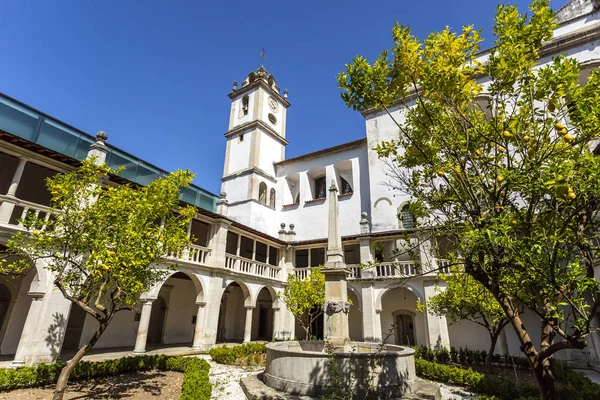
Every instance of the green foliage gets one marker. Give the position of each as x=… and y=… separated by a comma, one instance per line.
x=305, y=298
x=475, y=381
x=248, y=354
x=195, y=382
x=502, y=168
x=466, y=298
x=103, y=240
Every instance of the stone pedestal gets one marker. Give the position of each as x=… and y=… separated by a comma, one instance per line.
x=336, y=307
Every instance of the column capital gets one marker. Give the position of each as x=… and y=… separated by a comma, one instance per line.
x=249, y=307
x=201, y=303
x=378, y=310
x=35, y=295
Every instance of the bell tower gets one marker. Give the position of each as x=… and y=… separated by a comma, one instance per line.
x=255, y=140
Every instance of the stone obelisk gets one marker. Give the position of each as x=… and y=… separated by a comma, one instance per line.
x=336, y=273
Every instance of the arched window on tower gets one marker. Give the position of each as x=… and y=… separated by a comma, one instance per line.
x=407, y=220
x=272, y=198
x=262, y=193
x=245, y=102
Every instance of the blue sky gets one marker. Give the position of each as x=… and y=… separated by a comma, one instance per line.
x=155, y=74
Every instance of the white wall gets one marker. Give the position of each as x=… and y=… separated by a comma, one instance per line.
x=181, y=308
x=310, y=219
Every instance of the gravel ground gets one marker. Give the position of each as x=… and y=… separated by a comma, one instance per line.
x=226, y=380
x=137, y=386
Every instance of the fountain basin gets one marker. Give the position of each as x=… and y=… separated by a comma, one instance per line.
x=304, y=368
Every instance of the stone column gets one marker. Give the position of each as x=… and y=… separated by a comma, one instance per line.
x=142, y=334
x=276, y=322
x=6, y=208
x=336, y=287
x=248, y=325
x=223, y=205
x=370, y=318
x=99, y=149
x=29, y=329
x=197, y=345
x=218, y=243
x=377, y=323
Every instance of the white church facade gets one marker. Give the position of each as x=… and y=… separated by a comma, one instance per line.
x=269, y=221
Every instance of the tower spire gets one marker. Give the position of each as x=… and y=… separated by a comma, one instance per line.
x=263, y=55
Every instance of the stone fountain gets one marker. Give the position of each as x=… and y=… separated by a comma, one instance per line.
x=304, y=367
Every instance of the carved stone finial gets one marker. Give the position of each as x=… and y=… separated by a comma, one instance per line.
x=363, y=216
x=102, y=136
x=333, y=186
x=285, y=93
x=282, y=225
x=292, y=227
x=234, y=86
x=223, y=195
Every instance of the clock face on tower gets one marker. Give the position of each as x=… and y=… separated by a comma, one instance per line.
x=273, y=104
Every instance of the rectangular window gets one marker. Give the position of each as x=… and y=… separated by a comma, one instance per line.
x=317, y=256
x=301, y=258
x=199, y=232
x=261, y=252
x=232, y=242
x=320, y=188
x=352, y=254
x=273, y=255
x=246, y=247
x=9, y=166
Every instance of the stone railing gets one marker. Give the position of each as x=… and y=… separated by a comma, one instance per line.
x=355, y=272
x=395, y=269
x=444, y=266
x=251, y=267
x=21, y=209
x=192, y=254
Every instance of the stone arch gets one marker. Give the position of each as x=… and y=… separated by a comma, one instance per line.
x=379, y=200
x=272, y=292
x=200, y=292
x=405, y=219
x=234, y=300
x=262, y=193
x=272, y=195
x=408, y=286
x=357, y=293
x=248, y=300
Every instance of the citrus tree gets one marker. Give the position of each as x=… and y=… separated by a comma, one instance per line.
x=103, y=242
x=464, y=298
x=305, y=298
x=498, y=155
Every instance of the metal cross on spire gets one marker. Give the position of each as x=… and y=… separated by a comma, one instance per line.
x=263, y=54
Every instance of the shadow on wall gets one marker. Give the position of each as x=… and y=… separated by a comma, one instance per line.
x=56, y=331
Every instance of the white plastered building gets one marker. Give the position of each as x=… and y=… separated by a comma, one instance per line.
x=269, y=221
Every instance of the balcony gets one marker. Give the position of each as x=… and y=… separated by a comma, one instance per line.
x=20, y=210
x=250, y=267
x=193, y=255
x=384, y=270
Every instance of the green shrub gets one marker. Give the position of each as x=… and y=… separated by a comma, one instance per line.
x=475, y=381
x=245, y=354
x=196, y=384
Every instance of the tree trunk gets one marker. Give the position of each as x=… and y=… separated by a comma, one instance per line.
x=490, y=356
x=545, y=380
x=65, y=373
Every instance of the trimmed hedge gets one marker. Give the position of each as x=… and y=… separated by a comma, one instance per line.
x=247, y=354
x=570, y=384
x=195, y=379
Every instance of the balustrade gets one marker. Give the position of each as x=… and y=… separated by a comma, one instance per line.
x=251, y=267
